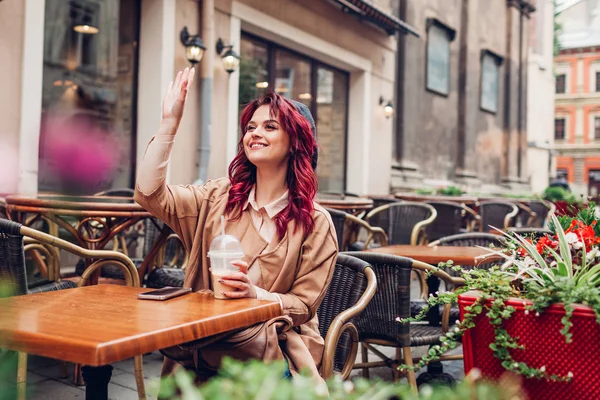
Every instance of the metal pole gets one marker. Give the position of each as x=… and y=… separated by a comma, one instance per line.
x=206, y=88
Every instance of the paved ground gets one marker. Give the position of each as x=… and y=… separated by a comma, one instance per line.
x=44, y=381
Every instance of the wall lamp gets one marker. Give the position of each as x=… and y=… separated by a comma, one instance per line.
x=388, y=107
x=194, y=47
x=230, y=59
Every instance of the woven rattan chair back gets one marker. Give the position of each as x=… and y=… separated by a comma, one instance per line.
x=404, y=222
x=497, y=214
x=452, y=218
x=13, y=273
x=543, y=210
x=392, y=300
x=348, y=284
x=339, y=221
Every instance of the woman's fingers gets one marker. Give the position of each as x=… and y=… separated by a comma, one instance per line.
x=242, y=265
x=237, y=276
x=177, y=80
x=235, y=295
x=234, y=284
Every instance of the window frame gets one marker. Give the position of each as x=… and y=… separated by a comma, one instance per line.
x=498, y=60
x=596, y=126
x=451, y=33
x=564, y=128
x=564, y=84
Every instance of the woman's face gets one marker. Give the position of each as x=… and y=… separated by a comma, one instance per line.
x=265, y=142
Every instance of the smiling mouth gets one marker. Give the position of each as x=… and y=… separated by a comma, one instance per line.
x=256, y=146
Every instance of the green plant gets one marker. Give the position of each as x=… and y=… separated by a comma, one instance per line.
x=450, y=191
x=555, y=193
x=560, y=268
x=256, y=380
x=424, y=191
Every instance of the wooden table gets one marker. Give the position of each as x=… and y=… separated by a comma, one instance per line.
x=461, y=255
x=103, y=324
x=92, y=220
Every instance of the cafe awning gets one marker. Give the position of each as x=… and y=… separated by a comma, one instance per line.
x=367, y=10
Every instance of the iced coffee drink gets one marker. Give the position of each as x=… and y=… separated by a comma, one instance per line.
x=224, y=249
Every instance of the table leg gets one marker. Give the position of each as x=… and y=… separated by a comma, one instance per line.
x=96, y=381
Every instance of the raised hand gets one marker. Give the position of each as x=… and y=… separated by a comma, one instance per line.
x=174, y=101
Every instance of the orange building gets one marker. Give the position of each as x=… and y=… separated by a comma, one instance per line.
x=577, y=104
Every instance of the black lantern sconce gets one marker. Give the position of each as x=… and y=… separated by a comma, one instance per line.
x=194, y=47
x=388, y=107
x=230, y=59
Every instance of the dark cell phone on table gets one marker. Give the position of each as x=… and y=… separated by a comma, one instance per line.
x=164, y=294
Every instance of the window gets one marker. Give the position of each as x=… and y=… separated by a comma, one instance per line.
x=562, y=174
x=559, y=129
x=89, y=80
x=560, y=83
x=490, y=75
x=439, y=37
x=597, y=81
x=265, y=66
x=597, y=127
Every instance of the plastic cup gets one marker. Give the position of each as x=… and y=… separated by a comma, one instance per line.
x=224, y=249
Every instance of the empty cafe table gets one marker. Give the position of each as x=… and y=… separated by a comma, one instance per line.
x=102, y=324
x=460, y=255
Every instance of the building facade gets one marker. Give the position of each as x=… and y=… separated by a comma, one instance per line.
x=462, y=96
x=455, y=72
x=577, y=111
x=104, y=66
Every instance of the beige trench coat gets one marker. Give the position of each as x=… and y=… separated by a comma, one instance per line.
x=298, y=268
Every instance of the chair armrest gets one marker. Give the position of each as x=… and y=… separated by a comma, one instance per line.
x=373, y=231
x=102, y=256
x=342, y=323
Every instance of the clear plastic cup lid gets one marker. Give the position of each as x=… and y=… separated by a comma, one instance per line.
x=226, y=245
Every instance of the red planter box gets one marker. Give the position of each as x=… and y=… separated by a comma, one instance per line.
x=544, y=346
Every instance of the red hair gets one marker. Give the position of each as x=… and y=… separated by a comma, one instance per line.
x=301, y=179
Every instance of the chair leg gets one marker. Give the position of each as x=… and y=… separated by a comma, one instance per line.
x=412, y=380
x=396, y=374
x=365, y=359
x=139, y=377
x=21, y=375
x=64, y=373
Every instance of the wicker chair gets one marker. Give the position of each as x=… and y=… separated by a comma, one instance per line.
x=452, y=218
x=13, y=248
x=526, y=217
x=497, y=214
x=352, y=287
x=350, y=228
x=544, y=211
x=463, y=239
x=377, y=324
x=404, y=222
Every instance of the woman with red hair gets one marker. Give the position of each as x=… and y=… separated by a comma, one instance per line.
x=289, y=242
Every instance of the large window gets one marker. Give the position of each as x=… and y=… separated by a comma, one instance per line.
x=560, y=83
x=597, y=81
x=88, y=98
x=439, y=37
x=597, y=127
x=490, y=77
x=559, y=128
x=266, y=66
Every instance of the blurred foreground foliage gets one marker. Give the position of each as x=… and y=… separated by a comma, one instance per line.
x=256, y=380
